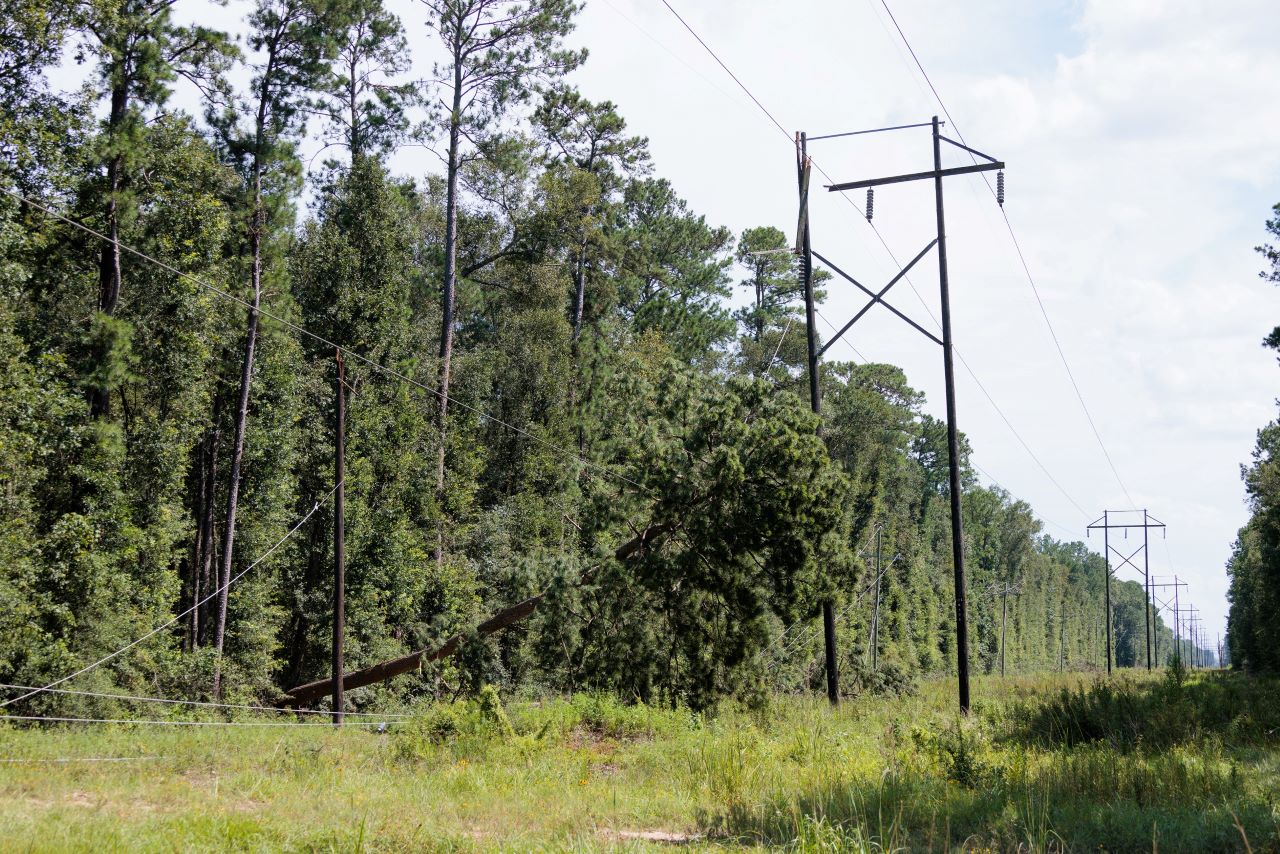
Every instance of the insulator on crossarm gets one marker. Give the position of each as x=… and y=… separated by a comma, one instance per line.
x=1000, y=188
x=871, y=203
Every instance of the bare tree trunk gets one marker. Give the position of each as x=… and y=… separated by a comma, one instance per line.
x=191, y=573
x=242, y=420
x=204, y=545
x=449, y=289
x=109, y=275
x=579, y=294
x=354, y=142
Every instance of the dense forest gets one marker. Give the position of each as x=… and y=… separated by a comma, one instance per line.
x=1253, y=633
x=557, y=377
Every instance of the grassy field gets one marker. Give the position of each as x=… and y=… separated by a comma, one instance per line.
x=1046, y=763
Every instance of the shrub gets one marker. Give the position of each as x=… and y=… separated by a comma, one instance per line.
x=471, y=724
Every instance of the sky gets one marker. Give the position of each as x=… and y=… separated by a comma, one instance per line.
x=1141, y=160
x=1143, y=157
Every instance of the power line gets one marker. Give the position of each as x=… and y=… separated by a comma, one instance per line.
x=892, y=257
x=1021, y=257
x=844, y=341
x=320, y=339
x=87, y=759
x=140, y=699
x=1025, y=446
x=163, y=722
x=720, y=62
x=164, y=626
x=672, y=53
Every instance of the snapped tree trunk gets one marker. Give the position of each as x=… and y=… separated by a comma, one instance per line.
x=385, y=670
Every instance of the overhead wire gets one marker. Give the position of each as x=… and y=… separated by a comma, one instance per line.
x=989, y=477
x=320, y=339
x=165, y=722
x=198, y=703
x=34, y=759
x=226, y=586
x=990, y=399
x=1021, y=257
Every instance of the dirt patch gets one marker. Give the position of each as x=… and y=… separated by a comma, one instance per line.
x=75, y=799
x=670, y=837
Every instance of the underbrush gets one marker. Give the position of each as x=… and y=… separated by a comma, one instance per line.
x=472, y=727
x=1050, y=763
x=1154, y=714
x=1173, y=764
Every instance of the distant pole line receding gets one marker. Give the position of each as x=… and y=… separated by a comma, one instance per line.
x=1105, y=525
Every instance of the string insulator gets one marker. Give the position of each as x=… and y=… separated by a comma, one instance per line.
x=871, y=203
x=1000, y=188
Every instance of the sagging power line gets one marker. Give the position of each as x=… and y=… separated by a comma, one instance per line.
x=998, y=193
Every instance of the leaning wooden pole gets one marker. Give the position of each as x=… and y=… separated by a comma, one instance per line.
x=385, y=670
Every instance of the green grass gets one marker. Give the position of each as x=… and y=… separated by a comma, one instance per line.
x=1044, y=764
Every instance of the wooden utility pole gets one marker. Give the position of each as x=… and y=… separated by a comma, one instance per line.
x=1062, y=638
x=936, y=175
x=339, y=541
x=1003, y=591
x=803, y=169
x=648, y=539
x=1106, y=525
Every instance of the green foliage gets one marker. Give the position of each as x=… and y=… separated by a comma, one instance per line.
x=1155, y=716
x=744, y=507
x=466, y=727
x=605, y=385
x=1253, y=636
x=364, y=108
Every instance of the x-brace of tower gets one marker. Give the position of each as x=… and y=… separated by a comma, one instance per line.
x=806, y=253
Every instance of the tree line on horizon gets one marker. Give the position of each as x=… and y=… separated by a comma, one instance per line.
x=543, y=366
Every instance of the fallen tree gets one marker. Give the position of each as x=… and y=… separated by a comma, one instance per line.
x=385, y=670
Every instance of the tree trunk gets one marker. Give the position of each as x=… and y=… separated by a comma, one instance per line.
x=579, y=294
x=109, y=276
x=242, y=420
x=507, y=617
x=449, y=289
x=191, y=575
x=759, y=283
x=205, y=544
x=354, y=142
